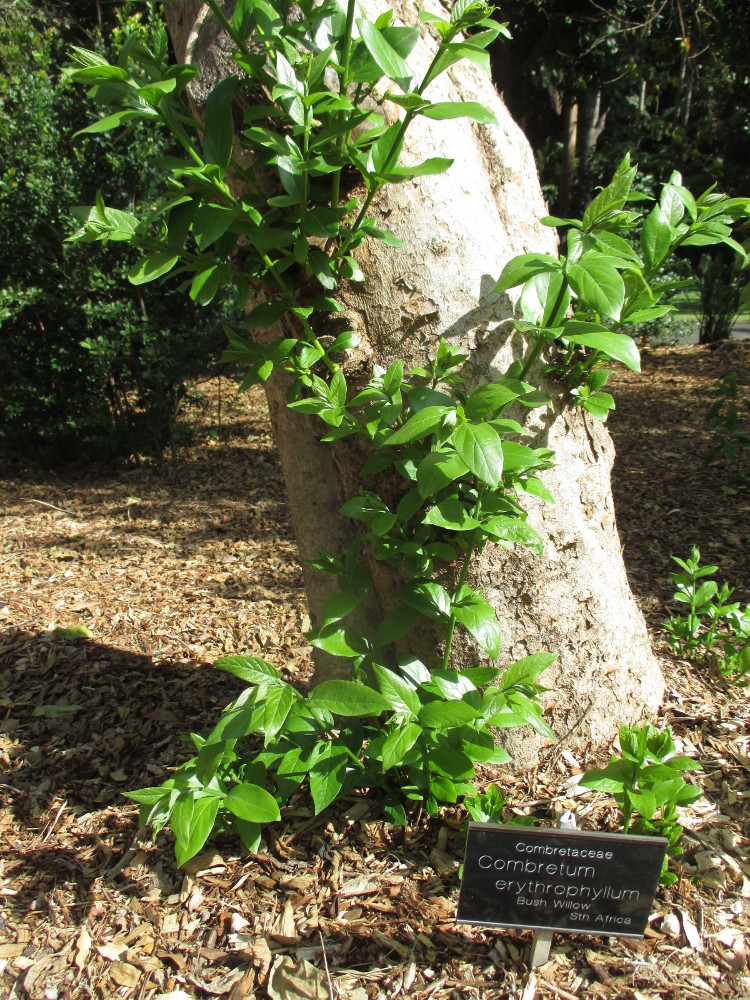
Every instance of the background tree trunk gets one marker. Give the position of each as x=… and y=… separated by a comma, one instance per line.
x=459, y=229
x=568, y=163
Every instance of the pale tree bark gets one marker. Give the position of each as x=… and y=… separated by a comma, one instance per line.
x=568, y=162
x=459, y=229
x=591, y=122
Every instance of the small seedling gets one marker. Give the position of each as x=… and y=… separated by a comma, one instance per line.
x=731, y=437
x=713, y=627
x=646, y=781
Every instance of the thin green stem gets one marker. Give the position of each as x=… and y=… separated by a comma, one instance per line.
x=462, y=578
x=392, y=156
x=343, y=85
x=277, y=277
x=535, y=352
x=229, y=28
x=461, y=581
x=539, y=346
x=305, y=151
x=330, y=365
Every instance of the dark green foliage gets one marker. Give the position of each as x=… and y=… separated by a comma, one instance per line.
x=91, y=366
x=719, y=283
x=729, y=420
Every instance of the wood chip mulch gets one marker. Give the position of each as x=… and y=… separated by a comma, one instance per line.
x=170, y=568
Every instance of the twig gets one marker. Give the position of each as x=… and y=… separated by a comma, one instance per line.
x=52, y=826
x=331, y=994
x=45, y=504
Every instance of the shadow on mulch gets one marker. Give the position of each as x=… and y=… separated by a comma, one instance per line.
x=87, y=721
x=82, y=723
x=666, y=499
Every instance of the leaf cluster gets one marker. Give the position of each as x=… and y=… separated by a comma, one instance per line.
x=611, y=276
x=728, y=418
x=316, y=114
x=647, y=780
x=411, y=734
x=714, y=627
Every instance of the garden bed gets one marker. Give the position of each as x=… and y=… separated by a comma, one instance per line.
x=170, y=568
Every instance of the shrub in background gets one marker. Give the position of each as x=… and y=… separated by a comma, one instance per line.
x=91, y=366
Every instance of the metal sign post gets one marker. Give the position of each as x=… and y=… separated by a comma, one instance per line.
x=542, y=941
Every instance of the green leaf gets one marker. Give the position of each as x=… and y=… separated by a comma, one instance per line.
x=148, y=796
x=211, y=222
x=428, y=598
x=451, y=763
x=642, y=800
x=427, y=168
x=192, y=821
x=252, y=803
x=399, y=743
x=612, y=199
x=612, y=778
x=537, y=488
x=387, y=58
x=438, y=469
x=531, y=713
x=418, y=426
x=656, y=237
x=513, y=530
x=459, y=109
x=453, y=52
x=205, y=285
x=519, y=269
x=618, y=346
x=525, y=672
x=277, y=704
x=208, y=760
x=237, y=719
x=517, y=457
x=55, y=711
x=395, y=812
x=72, y=632
x=443, y=789
x=395, y=624
x=599, y=405
x=152, y=267
x=402, y=697
x=112, y=121
x=545, y=299
x=451, y=515
x=250, y=669
x=480, y=448
x=446, y=714
x=218, y=135
x=249, y=834
x=339, y=605
x=370, y=508
x=488, y=399
x=349, y=699
x=478, y=618
x=328, y=777
x=338, y=641
x=597, y=284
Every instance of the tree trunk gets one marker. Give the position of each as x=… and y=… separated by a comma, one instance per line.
x=459, y=229
x=592, y=120
x=568, y=163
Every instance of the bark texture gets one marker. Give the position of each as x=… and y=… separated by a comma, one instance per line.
x=459, y=230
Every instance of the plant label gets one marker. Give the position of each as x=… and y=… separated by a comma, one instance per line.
x=571, y=881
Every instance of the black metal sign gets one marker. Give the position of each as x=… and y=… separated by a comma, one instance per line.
x=572, y=881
